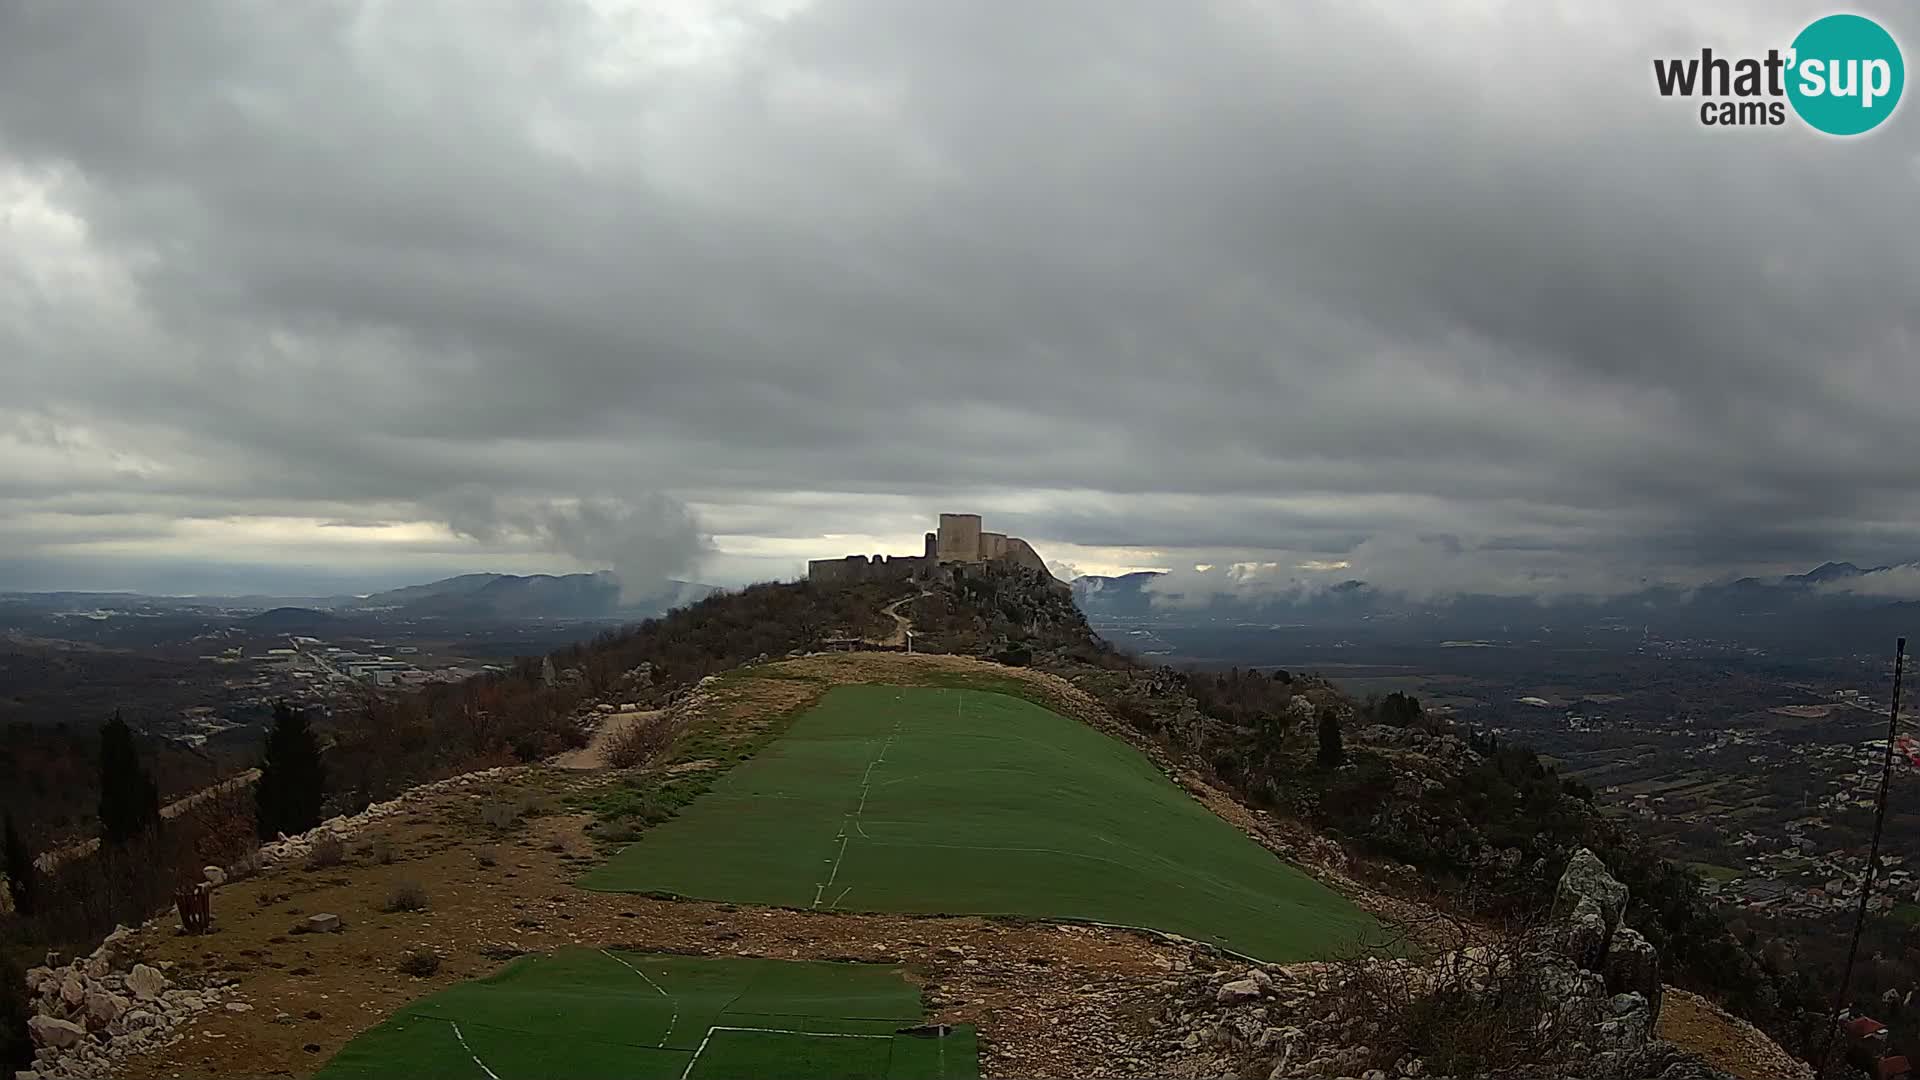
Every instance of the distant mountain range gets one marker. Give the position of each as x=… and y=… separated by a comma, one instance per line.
x=536, y=596
x=472, y=597
x=1828, y=606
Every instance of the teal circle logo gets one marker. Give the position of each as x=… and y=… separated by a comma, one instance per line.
x=1847, y=74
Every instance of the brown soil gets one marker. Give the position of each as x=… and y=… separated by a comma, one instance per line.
x=1725, y=1042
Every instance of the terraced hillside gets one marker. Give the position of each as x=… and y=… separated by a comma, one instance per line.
x=950, y=800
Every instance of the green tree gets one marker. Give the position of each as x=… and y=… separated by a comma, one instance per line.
x=1399, y=710
x=20, y=869
x=293, y=779
x=1332, y=751
x=129, y=799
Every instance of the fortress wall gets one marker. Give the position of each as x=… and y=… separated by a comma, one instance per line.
x=1021, y=553
x=857, y=568
x=959, y=539
x=993, y=545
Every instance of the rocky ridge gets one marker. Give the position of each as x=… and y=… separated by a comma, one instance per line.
x=1586, y=987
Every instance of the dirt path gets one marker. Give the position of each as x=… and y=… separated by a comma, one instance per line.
x=902, y=625
x=594, y=754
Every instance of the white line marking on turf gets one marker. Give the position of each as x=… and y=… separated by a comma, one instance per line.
x=675, y=1019
x=866, y=787
x=837, y=899
x=469, y=1050
x=688, y=1071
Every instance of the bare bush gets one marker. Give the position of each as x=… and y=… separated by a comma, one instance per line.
x=1496, y=1004
x=329, y=850
x=640, y=743
x=419, y=963
x=382, y=851
x=405, y=896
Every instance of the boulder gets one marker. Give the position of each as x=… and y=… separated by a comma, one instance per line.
x=215, y=876
x=1239, y=990
x=1583, y=934
x=1632, y=966
x=114, y=953
x=104, y=1008
x=73, y=991
x=38, y=977
x=146, y=982
x=56, y=1034
x=1586, y=878
x=323, y=923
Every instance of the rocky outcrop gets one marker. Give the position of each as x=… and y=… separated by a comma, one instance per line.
x=1632, y=966
x=1578, y=999
x=1589, y=906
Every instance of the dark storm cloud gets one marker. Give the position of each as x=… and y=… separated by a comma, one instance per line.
x=1224, y=282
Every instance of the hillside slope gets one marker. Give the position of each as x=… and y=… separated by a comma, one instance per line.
x=1439, y=836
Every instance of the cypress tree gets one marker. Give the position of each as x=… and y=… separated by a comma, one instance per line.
x=129, y=799
x=20, y=869
x=1332, y=750
x=293, y=779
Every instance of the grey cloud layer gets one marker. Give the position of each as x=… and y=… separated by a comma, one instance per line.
x=1207, y=278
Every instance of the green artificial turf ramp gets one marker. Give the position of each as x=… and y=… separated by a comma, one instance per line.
x=637, y=1016
x=887, y=798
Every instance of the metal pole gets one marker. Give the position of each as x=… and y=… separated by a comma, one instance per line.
x=1873, y=858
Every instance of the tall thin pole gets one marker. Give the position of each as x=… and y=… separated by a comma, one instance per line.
x=1873, y=857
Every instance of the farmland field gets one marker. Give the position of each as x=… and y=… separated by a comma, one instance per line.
x=595, y=1014
x=887, y=798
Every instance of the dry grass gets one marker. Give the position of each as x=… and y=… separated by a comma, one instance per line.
x=640, y=743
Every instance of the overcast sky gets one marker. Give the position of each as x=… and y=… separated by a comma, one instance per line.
x=347, y=293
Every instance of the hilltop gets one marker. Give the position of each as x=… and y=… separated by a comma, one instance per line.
x=1440, y=836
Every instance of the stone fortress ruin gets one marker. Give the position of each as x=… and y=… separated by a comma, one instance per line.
x=959, y=540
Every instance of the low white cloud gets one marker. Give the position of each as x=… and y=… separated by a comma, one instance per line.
x=1892, y=583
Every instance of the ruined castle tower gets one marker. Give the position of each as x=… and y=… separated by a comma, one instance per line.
x=959, y=540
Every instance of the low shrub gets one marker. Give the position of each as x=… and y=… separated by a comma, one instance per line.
x=405, y=896
x=419, y=963
x=329, y=850
x=640, y=742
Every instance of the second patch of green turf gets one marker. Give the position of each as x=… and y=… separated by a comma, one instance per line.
x=609, y=1015
x=887, y=798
